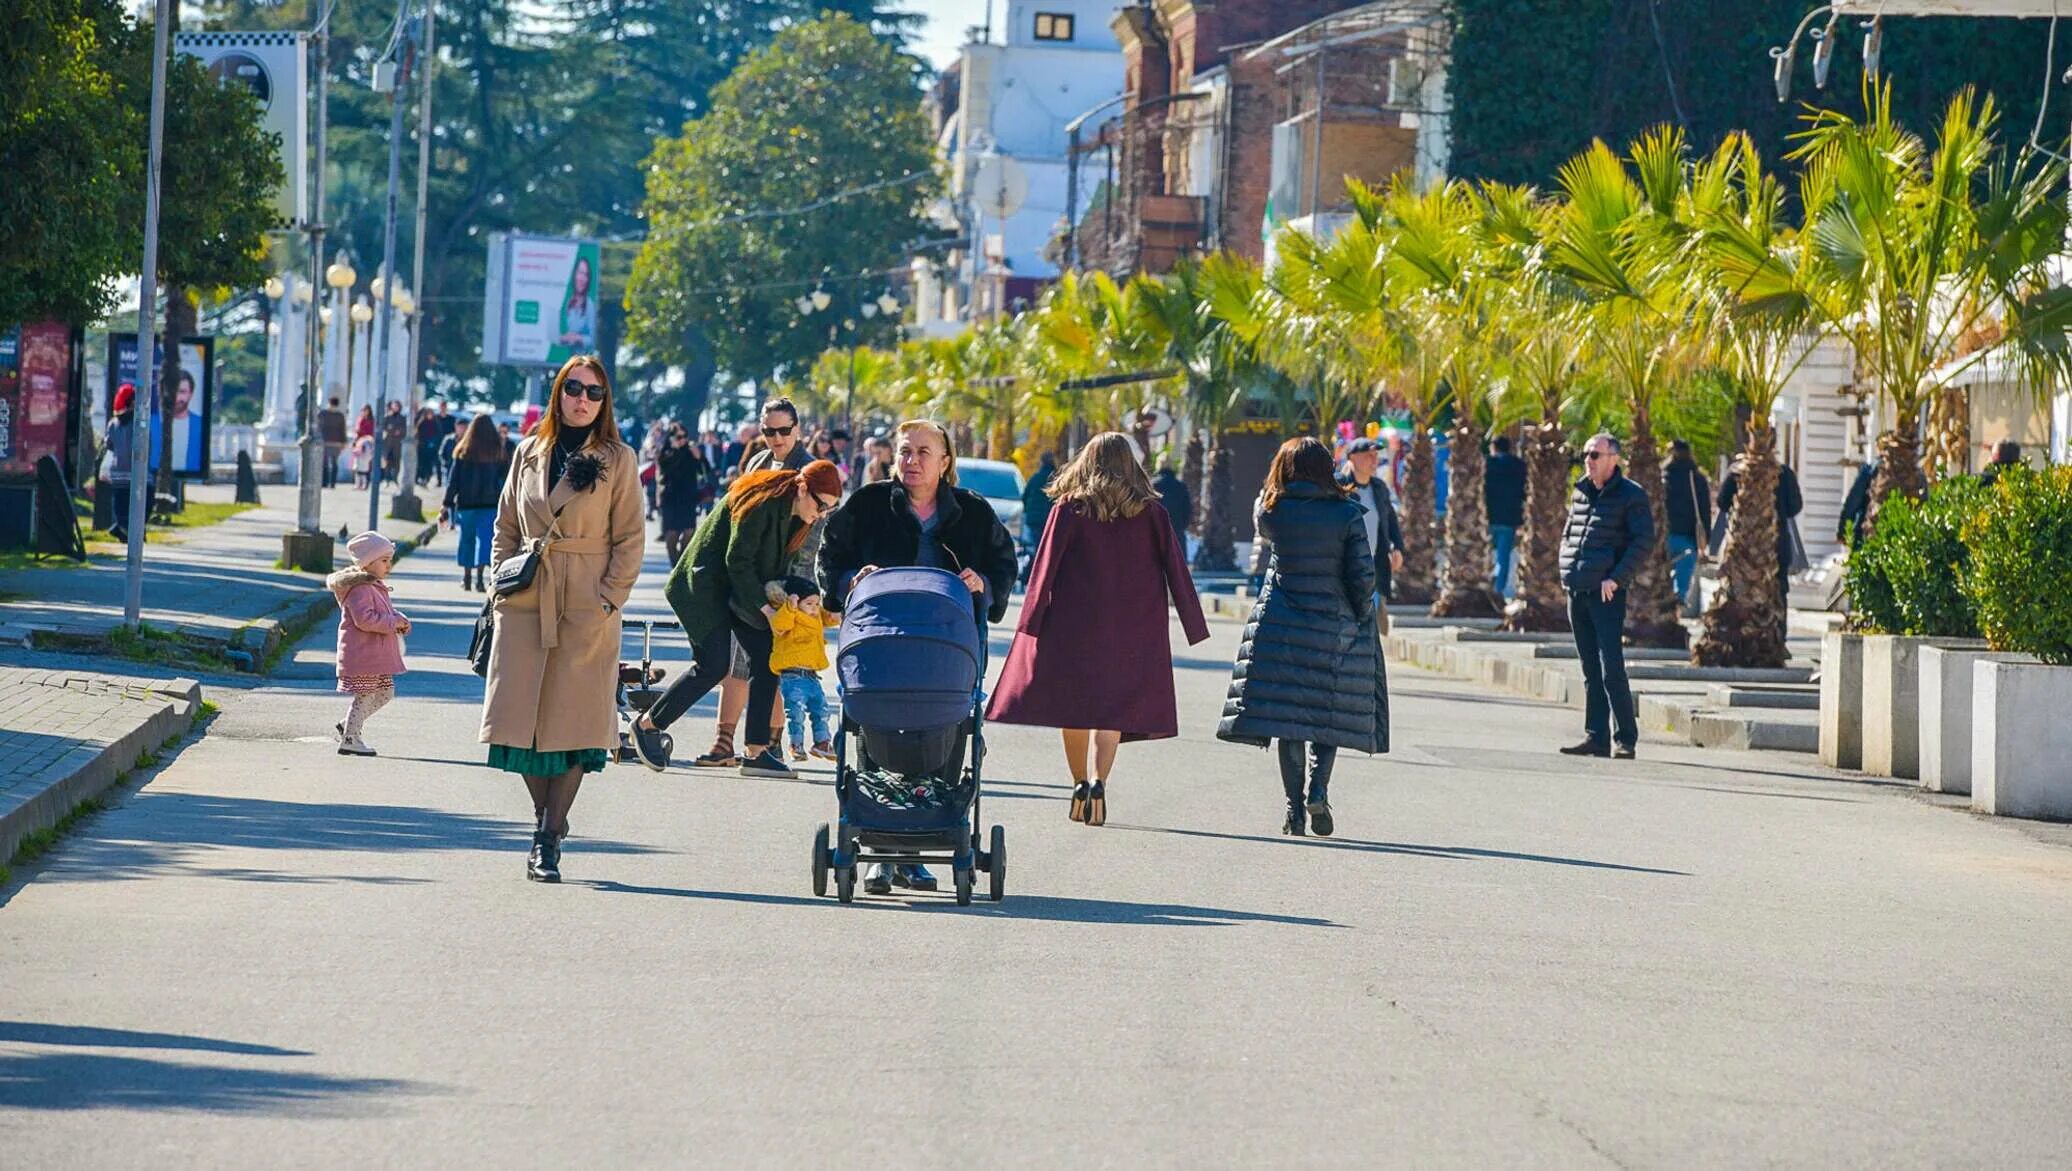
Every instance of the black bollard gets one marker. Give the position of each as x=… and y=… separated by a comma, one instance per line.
x=247, y=481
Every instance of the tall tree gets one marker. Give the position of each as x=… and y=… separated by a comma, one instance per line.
x=813, y=161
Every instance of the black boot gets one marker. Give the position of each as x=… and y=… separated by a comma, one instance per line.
x=544, y=864
x=1319, y=809
x=1293, y=825
x=467, y=578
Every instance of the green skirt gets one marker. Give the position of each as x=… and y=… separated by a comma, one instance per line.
x=532, y=762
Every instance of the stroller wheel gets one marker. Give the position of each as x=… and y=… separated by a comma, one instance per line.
x=964, y=888
x=997, y=871
x=845, y=884
x=822, y=862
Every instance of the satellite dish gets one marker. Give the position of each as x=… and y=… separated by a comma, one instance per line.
x=1000, y=186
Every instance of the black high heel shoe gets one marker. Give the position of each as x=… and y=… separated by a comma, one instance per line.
x=1097, y=804
x=1079, y=801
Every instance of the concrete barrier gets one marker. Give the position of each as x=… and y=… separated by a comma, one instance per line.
x=1892, y=701
x=1841, y=699
x=2021, y=740
x=1947, y=677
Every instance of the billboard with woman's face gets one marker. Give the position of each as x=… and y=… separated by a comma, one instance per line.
x=542, y=300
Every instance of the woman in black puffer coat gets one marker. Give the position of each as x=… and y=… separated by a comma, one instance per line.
x=1309, y=672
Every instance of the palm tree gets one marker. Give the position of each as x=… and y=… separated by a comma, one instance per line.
x=1218, y=368
x=1760, y=317
x=1918, y=253
x=1619, y=242
x=1541, y=323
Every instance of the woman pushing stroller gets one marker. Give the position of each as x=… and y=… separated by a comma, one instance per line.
x=919, y=518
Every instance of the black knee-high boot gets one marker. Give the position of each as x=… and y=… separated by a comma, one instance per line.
x=1292, y=777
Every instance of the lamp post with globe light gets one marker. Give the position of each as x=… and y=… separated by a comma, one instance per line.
x=818, y=301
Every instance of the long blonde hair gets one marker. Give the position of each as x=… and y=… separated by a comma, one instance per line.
x=1105, y=479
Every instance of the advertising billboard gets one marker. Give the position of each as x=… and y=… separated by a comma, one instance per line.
x=541, y=300
x=35, y=396
x=274, y=66
x=193, y=402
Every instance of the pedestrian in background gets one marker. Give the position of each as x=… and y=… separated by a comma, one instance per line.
x=1687, y=504
x=1036, y=506
x=480, y=466
x=549, y=712
x=428, y=436
x=117, y=455
x=1172, y=493
x=2006, y=454
x=1309, y=673
x=1503, y=491
x=370, y=636
x=394, y=428
x=1361, y=481
x=331, y=430
x=680, y=475
x=1091, y=654
x=877, y=468
x=1610, y=528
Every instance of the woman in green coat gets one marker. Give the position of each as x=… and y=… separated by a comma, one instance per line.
x=718, y=591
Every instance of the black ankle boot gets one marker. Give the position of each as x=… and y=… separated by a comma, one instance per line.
x=467, y=578
x=1293, y=826
x=544, y=864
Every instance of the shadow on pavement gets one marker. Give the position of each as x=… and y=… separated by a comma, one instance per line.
x=40, y=1034
x=1462, y=853
x=94, y=1081
x=1062, y=910
x=166, y=831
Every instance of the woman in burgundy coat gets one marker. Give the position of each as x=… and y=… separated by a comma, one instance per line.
x=1092, y=654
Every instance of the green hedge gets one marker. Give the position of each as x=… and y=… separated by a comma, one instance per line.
x=2020, y=575
x=1907, y=575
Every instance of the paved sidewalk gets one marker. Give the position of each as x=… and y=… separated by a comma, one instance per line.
x=217, y=586
x=66, y=735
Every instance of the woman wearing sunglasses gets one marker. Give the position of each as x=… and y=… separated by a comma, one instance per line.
x=549, y=713
x=738, y=556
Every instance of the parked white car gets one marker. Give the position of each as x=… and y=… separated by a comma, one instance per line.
x=1001, y=483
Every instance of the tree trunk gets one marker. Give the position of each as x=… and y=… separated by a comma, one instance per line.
x=1651, y=601
x=1191, y=475
x=1541, y=603
x=1949, y=431
x=1415, y=581
x=180, y=324
x=1470, y=562
x=1899, y=471
x=1218, y=552
x=1745, y=623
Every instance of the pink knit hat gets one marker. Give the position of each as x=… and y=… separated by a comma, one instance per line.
x=369, y=547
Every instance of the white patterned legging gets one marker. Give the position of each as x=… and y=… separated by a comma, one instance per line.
x=366, y=703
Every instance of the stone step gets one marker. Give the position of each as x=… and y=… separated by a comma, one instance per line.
x=1685, y=671
x=1776, y=695
x=1634, y=654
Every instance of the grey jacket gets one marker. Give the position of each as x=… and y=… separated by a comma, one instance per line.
x=1609, y=531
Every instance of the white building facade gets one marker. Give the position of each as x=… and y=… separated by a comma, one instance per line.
x=1056, y=60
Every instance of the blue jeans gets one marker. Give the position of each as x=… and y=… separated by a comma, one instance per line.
x=1683, y=561
x=477, y=527
x=1600, y=629
x=803, y=700
x=1505, y=538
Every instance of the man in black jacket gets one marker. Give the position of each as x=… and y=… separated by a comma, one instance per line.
x=1503, y=490
x=1384, y=533
x=1609, y=531
x=1687, y=499
x=1856, y=506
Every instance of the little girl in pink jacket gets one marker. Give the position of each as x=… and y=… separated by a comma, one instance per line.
x=370, y=636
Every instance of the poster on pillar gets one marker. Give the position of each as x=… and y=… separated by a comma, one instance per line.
x=274, y=66
x=35, y=396
x=193, y=399
x=541, y=301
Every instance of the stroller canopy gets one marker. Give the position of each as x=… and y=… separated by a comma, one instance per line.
x=909, y=654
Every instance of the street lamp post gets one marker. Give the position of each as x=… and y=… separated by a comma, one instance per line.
x=309, y=547
x=388, y=268
x=147, y=336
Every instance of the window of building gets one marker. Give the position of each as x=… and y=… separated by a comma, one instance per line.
x=1053, y=26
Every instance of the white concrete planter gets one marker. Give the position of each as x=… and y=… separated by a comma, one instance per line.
x=1841, y=699
x=1946, y=718
x=2021, y=739
x=1892, y=701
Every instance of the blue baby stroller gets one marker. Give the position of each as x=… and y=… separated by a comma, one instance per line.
x=908, y=668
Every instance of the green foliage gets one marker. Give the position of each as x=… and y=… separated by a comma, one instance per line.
x=37, y=843
x=1907, y=577
x=825, y=108
x=1595, y=70
x=2021, y=563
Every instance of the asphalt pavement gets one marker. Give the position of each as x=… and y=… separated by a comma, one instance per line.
x=270, y=955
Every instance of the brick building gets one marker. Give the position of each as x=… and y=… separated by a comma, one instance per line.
x=1241, y=116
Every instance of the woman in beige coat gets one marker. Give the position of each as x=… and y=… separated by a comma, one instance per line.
x=550, y=712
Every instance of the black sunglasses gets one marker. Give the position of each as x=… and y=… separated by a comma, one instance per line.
x=590, y=390
x=769, y=431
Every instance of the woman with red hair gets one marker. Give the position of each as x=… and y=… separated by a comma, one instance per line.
x=737, y=558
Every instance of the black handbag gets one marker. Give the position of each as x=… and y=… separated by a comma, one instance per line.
x=485, y=633
x=514, y=574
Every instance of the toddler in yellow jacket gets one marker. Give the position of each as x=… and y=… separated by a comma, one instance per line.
x=798, y=654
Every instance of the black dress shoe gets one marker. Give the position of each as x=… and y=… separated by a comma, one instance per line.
x=1622, y=752
x=1320, y=817
x=1586, y=748
x=913, y=876
x=1293, y=825
x=879, y=880
x=544, y=864
x=652, y=746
